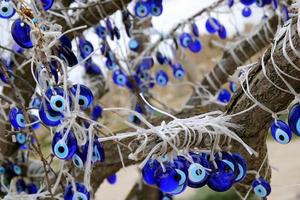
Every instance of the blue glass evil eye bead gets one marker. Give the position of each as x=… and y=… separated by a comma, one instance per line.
x=233, y=87
x=241, y=167
x=230, y=3
x=134, y=44
x=56, y=99
x=21, y=138
x=119, y=78
x=98, y=154
x=85, y=48
x=281, y=132
x=195, y=46
x=294, y=119
x=161, y=78
x=79, y=158
x=285, y=13
x=20, y=185
x=142, y=9
x=6, y=9
x=112, y=179
x=261, y=187
x=31, y=188
x=20, y=32
x=222, y=32
x=224, y=95
x=246, y=12
x=65, y=41
x=47, y=4
x=81, y=192
x=178, y=72
x=50, y=117
x=149, y=170
x=195, y=29
x=167, y=179
x=92, y=68
x=156, y=7
x=67, y=55
x=212, y=25
x=197, y=175
x=16, y=169
x=96, y=112
x=185, y=40
x=16, y=118
x=247, y=2
x=101, y=31
x=62, y=148
x=85, y=98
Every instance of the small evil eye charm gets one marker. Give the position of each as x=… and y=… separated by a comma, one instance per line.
x=31, y=188
x=161, y=78
x=185, y=40
x=101, y=31
x=197, y=175
x=195, y=29
x=20, y=32
x=261, y=187
x=224, y=96
x=182, y=182
x=85, y=47
x=47, y=4
x=294, y=119
x=142, y=9
x=50, y=117
x=281, y=132
x=161, y=59
x=20, y=186
x=230, y=3
x=247, y=2
x=134, y=44
x=246, y=12
x=149, y=170
x=241, y=167
x=65, y=41
x=85, y=98
x=56, y=98
x=6, y=9
x=79, y=158
x=178, y=72
x=156, y=7
x=98, y=154
x=233, y=87
x=2, y=170
x=167, y=179
x=119, y=78
x=92, y=68
x=16, y=169
x=112, y=179
x=21, y=138
x=195, y=46
x=96, y=112
x=81, y=192
x=285, y=13
x=212, y=25
x=64, y=147
x=222, y=32
x=67, y=55
x=16, y=118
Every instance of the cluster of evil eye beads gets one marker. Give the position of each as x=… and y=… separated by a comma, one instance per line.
x=198, y=170
x=282, y=131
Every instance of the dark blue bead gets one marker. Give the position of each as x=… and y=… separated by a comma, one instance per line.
x=119, y=78
x=31, y=188
x=82, y=193
x=149, y=170
x=212, y=25
x=67, y=55
x=64, y=149
x=161, y=59
x=233, y=87
x=294, y=119
x=241, y=167
x=195, y=46
x=101, y=31
x=156, y=7
x=185, y=40
x=96, y=112
x=224, y=96
x=222, y=32
x=247, y=2
x=112, y=179
x=178, y=72
x=167, y=179
x=20, y=32
x=230, y=3
x=98, y=154
x=261, y=187
x=246, y=12
x=195, y=29
x=65, y=41
x=47, y=4
x=281, y=132
x=20, y=186
x=285, y=13
x=92, y=68
x=16, y=118
x=50, y=117
x=161, y=78
x=79, y=158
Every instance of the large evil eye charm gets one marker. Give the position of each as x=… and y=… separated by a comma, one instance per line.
x=261, y=187
x=20, y=32
x=64, y=147
x=167, y=179
x=112, y=179
x=161, y=78
x=100, y=31
x=142, y=9
x=195, y=29
x=178, y=72
x=50, y=117
x=134, y=44
x=47, y=4
x=195, y=46
x=6, y=9
x=241, y=167
x=149, y=170
x=20, y=185
x=85, y=96
x=281, y=132
x=31, y=188
x=185, y=40
x=119, y=78
x=81, y=192
x=16, y=169
x=224, y=96
x=156, y=7
x=85, y=47
x=222, y=178
x=161, y=59
x=16, y=118
x=212, y=25
x=294, y=119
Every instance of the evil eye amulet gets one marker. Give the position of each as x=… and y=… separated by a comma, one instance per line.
x=261, y=187
x=96, y=112
x=241, y=167
x=62, y=148
x=294, y=119
x=161, y=59
x=222, y=32
x=195, y=46
x=178, y=72
x=20, y=32
x=21, y=138
x=224, y=96
x=112, y=179
x=57, y=101
x=50, y=117
x=81, y=192
x=182, y=182
x=247, y=2
x=156, y=7
x=142, y=9
x=233, y=87
x=85, y=98
x=101, y=31
x=161, y=78
x=195, y=29
x=85, y=47
x=134, y=44
x=167, y=179
x=6, y=9
x=212, y=25
x=79, y=158
x=98, y=154
x=47, y=4
x=119, y=78
x=16, y=118
x=197, y=175
x=149, y=170
x=281, y=132
x=185, y=40
x=246, y=12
